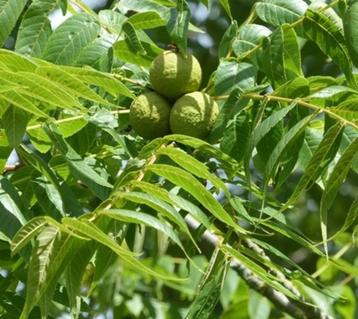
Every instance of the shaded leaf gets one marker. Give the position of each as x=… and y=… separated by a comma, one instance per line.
x=10, y=11
x=230, y=75
x=178, y=24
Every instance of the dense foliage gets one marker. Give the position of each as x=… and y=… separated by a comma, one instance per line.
x=256, y=221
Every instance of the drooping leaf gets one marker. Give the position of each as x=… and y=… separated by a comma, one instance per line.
x=33, y=86
x=197, y=190
x=236, y=137
x=226, y=5
x=132, y=39
x=178, y=25
x=334, y=181
x=258, y=271
x=14, y=121
x=317, y=162
x=12, y=211
x=89, y=230
x=79, y=167
x=100, y=79
x=159, y=205
x=350, y=25
x=262, y=130
x=192, y=165
x=227, y=39
x=208, y=294
x=74, y=273
x=140, y=218
x=327, y=36
x=175, y=200
x=42, y=255
x=12, y=61
x=10, y=11
x=287, y=140
x=284, y=59
x=228, y=162
x=56, y=189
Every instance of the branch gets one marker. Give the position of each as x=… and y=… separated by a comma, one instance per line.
x=300, y=102
x=298, y=310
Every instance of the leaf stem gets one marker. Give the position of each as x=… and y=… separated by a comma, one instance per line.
x=70, y=119
x=290, y=100
x=123, y=78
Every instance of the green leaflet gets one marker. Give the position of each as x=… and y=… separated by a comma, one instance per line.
x=226, y=5
x=56, y=189
x=178, y=24
x=35, y=86
x=79, y=167
x=12, y=61
x=287, y=140
x=132, y=38
x=260, y=272
x=175, y=200
x=320, y=29
x=227, y=39
x=139, y=218
x=209, y=290
x=14, y=122
x=316, y=162
x=72, y=37
x=102, y=80
x=89, y=230
x=231, y=74
x=278, y=12
x=192, y=165
x=261, y=130
x=236, y=136
x=350, y=26
x=335, y=180
x=146, y=20
x=284, y=57
x=10, y=11
x=32, y=228
x=13, y=213
x=197, y=190
x=160, y=206
x=47, y=244
x=74, y=273
x=35, y=28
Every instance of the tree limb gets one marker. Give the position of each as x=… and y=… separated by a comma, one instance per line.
x=298, y=310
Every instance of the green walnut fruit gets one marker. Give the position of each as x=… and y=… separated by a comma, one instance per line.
x=194, y=114
x=149, y=115
x=172, y=75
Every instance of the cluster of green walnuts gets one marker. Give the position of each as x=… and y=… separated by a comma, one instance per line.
x=176, y=105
